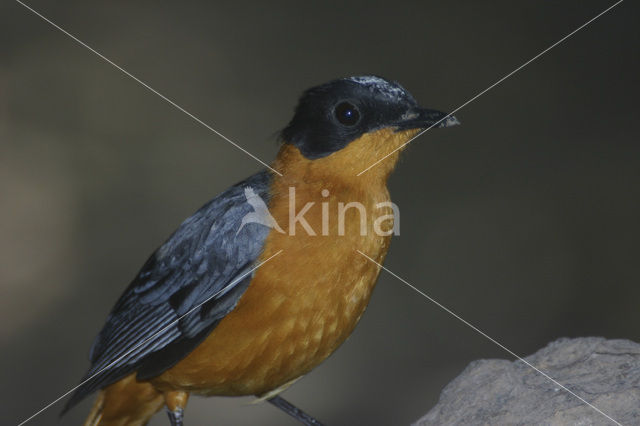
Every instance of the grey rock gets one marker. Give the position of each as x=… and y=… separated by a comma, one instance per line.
x=605, y=373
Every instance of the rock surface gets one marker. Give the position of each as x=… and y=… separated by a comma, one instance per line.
x=606, y=373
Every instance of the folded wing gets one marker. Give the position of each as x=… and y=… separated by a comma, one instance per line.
x=182, y=292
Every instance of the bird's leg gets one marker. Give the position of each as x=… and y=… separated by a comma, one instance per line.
x=176, y=401
x=175, y=416
x=294, y=411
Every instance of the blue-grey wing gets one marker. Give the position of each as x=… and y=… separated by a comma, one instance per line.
x=183, y=290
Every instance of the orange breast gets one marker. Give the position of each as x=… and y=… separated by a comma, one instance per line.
x=302, y=304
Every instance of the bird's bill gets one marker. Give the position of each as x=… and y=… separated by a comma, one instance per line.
x=423, y=118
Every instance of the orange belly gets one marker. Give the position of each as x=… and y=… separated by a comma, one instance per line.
x=294, y=314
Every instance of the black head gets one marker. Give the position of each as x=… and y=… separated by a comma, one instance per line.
x=333, y=114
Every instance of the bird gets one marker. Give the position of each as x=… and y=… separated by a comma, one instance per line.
x=265, y=281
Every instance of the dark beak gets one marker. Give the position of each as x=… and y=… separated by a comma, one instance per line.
x=422, y=118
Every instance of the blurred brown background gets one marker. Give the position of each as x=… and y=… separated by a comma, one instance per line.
x=524, y=220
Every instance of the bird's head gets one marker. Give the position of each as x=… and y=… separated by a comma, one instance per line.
x=356, y=121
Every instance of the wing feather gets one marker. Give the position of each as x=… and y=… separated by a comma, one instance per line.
x=182, y=291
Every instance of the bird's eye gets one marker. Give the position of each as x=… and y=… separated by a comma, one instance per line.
x=347, y=113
